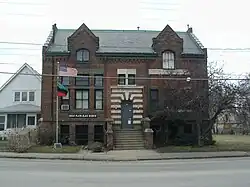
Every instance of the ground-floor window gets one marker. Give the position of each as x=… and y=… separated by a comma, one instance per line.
x=98, y=133
x=20, y=120
x=2, y=122
x=82, y=134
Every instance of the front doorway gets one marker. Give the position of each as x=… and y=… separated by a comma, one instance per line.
x=127, y=114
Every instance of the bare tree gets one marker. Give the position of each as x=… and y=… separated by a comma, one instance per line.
x=206, y=99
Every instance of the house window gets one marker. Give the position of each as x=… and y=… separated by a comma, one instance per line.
x=65, y=81
x=121, y=79
x=31, y=96
x=98, y=99
x=131, y=79
x=16, y=120
x=2, y=123
x=24, y=96
x=82, y=80
x=98, y=80
x=168, y=60
x=17, y=96
x=154, y=98
x=82, y=99
x=82, y=55
x=31, y=120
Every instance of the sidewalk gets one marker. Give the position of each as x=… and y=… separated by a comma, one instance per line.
x=128, y=155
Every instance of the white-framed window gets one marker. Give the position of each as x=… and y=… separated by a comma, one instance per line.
x=2, y=123
x=17, y=96
x=31, y=96
x=126, y=76
x=31, y=120
x=24, y=96
x=168, y=60
x=82, y=55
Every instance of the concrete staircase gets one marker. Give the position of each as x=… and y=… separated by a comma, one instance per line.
x=128, y=139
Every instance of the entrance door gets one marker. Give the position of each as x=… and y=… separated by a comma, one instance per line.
x=127, y=114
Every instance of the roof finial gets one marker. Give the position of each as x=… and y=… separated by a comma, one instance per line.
x=138, y=28
x=188, y=26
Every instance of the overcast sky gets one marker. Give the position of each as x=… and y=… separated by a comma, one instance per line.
x=218, y=24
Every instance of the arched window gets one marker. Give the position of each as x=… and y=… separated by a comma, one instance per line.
x=168, y=60
x=82, y=55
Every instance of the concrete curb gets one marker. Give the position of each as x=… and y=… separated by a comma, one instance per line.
x=119, y=159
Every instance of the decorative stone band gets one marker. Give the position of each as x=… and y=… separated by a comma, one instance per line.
x=168, y=72
x=133, y=93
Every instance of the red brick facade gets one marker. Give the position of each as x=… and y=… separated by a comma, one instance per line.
x=108, y=63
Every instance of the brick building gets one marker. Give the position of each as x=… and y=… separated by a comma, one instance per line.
x=125, y=58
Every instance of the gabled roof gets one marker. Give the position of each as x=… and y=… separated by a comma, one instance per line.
x=125, y=41
x=36, y=74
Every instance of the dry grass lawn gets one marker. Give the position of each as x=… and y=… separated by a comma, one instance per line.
x=50, y=149
x=223, y=143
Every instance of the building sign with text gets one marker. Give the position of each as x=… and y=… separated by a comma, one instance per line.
x=82, y=115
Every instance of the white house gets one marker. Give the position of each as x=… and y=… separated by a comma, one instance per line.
x=20, y=99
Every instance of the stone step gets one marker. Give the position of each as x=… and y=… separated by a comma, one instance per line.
x=128, y=137
x=129, y=148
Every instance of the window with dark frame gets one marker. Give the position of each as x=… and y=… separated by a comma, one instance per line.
x=31, y=120
x=82, y=80
x=154, y=98
x=65, y=81
x=121, y=79
x=82, y=99
x=99, y=99
x=2, y=122
x=98, y=80
x=188, y=128
x=82, y=55
x=131, y=79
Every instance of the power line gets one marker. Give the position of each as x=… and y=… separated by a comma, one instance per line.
x=137, y=78
x=22, y=3
x=110, y=46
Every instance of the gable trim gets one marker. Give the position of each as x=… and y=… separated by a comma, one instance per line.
x=18, y=72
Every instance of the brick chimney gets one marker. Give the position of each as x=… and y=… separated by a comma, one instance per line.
x=190, y=29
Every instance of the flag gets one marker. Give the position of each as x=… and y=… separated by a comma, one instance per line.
x=62, y=91
x=67, y=71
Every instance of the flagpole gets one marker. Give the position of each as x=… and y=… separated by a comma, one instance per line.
x=57, y=107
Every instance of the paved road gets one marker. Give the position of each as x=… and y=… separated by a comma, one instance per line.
x=187, y=173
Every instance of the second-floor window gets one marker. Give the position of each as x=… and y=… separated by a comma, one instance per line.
x=168, y=60
x=82, y=55
x=126, y=79
x=154, y=98
x=82, y=80
x=82, y=99
x=65, y=81
x=31, y=96
x=98, y=80
x=24, y=96
x=98, y=99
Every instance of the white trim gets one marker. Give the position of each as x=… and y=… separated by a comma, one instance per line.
x=132, y=96
x=136, y=121
x=137, y=106
x=115, y=111
x=31, y=115
x=115, y=106
x=116, y=101
x=119, y=87
x=137, y=101
x=168, y=72
x=37, y=75
x=138, y=111
x=137, y=116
